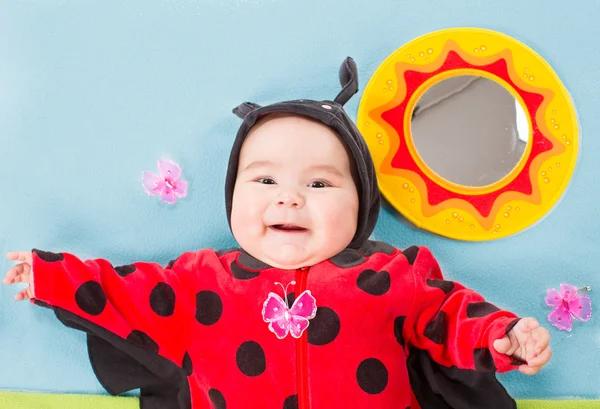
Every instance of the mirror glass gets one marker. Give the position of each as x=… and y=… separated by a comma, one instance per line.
x=469, y=130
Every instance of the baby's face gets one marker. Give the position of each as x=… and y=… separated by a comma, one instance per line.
x=295, y=203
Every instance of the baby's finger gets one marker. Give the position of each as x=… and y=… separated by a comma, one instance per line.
x=17, y=255
x=542, y=339
x=503, y=345
x=18, y=279
x=18, y=274
x=12, y=274
x=22, y=295
x=528, y=324
x=528, y=370
x=541, y=359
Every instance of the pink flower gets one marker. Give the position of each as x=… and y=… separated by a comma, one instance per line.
x=568, y=304
x=167, y=185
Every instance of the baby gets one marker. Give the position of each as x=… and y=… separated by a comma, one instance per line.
x=308, y=313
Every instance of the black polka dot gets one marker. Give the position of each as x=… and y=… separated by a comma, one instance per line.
x=48, y=257
x=324, y=328
x=217, y=399
x=246, y=260
x=124, y=271
x=398, y=326
x=291, y=297
x=445, y=286
x=143, y=341
x=411, y=254
x=373, y=282
x=90, y=298
x=209, y=307
x=484, y=362
x=250, y=359
x=187, y=365
x=241, y=273
x=480, y=309
x=372, y=247
x=162, y=300
x=372, y=376
x=436, y=329
x=348, y=258
x=171, y=263
x=291, y=402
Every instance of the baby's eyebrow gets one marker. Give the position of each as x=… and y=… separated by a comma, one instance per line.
x=327, y=168
x=259, y=164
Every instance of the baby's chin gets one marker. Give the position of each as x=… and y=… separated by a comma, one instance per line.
x=290, y=257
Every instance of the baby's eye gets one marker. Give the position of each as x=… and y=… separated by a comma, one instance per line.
x=318, y=184
x=266, y=181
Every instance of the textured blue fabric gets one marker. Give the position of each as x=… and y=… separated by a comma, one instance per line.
x=92, y=93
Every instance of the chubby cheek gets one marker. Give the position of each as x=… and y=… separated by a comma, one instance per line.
x=246, y=214
x=338, y=220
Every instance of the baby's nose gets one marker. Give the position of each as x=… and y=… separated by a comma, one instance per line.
x=290, y=200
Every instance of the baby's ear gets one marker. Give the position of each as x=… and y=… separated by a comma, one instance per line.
x=244, y=109
x=348, y=81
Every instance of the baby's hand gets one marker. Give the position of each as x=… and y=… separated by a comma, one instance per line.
x=21, y=273
x=528, y=342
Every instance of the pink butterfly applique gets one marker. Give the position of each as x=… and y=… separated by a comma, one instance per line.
x=167, y=184
x=568, y=305
x=282, y=319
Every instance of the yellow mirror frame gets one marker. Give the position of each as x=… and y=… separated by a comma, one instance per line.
x=512, y=204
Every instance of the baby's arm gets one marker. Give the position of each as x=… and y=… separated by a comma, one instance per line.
x=454, y=324
x=143, y=303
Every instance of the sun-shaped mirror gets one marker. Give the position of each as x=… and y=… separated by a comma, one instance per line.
x=473, y=135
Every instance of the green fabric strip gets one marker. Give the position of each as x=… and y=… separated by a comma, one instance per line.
x=21, y=400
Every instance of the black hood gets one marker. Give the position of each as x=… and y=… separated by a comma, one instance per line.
x=332, y=114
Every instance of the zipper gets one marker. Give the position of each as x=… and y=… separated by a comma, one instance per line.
x=302, y=347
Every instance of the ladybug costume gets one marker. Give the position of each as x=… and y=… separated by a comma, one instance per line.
x=385, y=330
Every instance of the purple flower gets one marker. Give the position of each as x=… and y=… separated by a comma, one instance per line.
x=167, y=184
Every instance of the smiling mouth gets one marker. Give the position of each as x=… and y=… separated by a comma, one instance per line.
x=288, y=228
